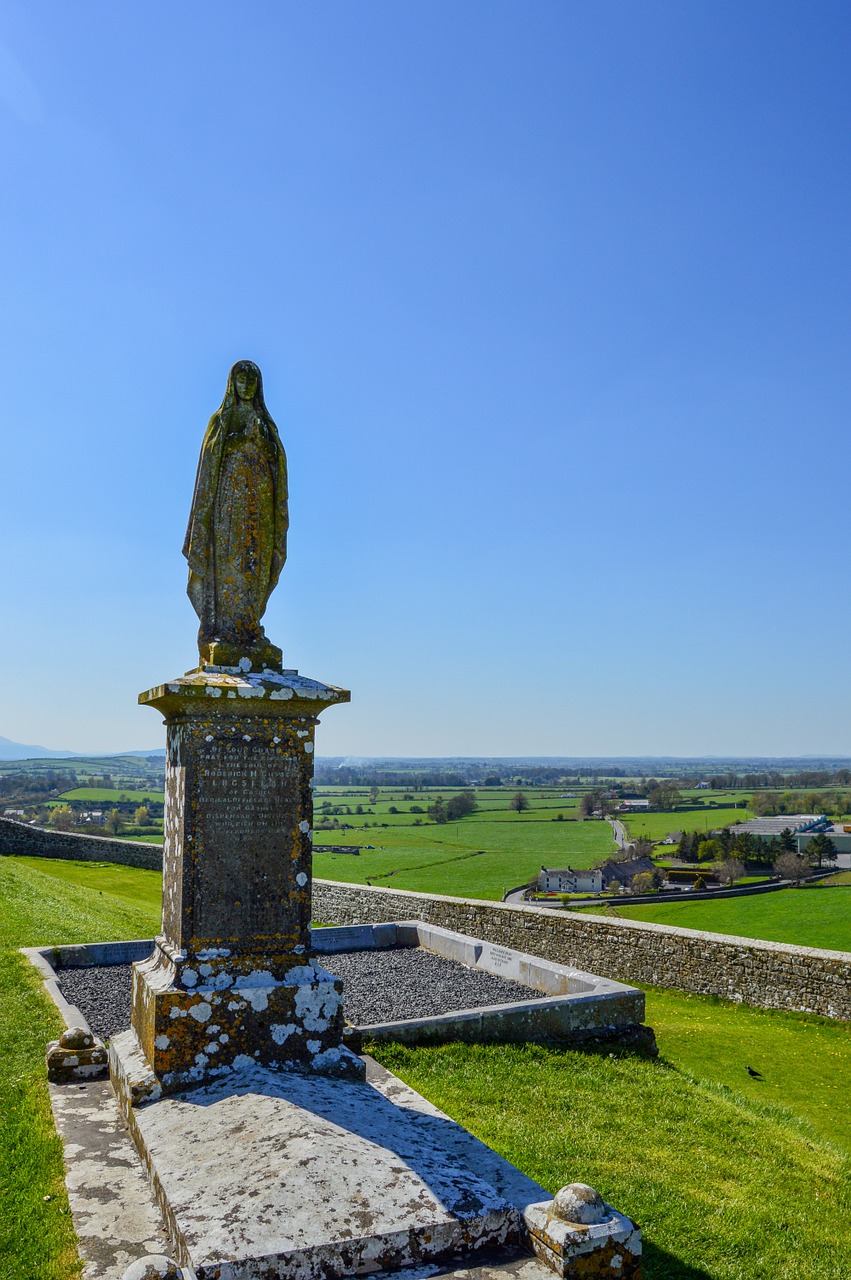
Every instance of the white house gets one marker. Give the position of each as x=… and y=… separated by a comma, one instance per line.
x=566, y=880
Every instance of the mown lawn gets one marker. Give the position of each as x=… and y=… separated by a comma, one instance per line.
x=807, y=917
x=39, y=906
x=724, y=1188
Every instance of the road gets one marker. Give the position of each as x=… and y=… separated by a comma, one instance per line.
x=619, y=832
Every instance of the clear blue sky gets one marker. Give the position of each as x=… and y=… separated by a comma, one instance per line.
x=553, y=307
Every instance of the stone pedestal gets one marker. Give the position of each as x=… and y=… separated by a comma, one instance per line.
x=231, y=982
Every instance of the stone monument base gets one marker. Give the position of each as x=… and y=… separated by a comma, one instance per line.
x=296, y=1177
x=225, y=1013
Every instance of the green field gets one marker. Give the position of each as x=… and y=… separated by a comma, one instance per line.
x=655, y=826
x=109, y=795
x=809, y=917
x=481, y=856
x=730, y=1178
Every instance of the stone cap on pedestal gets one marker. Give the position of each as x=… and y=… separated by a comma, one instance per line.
x=221, y=689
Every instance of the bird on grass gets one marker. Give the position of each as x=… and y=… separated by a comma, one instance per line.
x=755, y=1075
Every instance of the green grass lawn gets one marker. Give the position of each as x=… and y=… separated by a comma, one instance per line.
x=42, y=903
x=730, y=1178
x=724, y=1187
x=810, y=917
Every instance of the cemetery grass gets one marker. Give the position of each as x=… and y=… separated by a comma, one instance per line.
x=723, y=1186
x=814, y=916
x=36, y=908
x=694, y=1161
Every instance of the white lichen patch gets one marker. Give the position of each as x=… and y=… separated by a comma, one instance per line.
x=189, y=978
x=308, y=746
x=316, y=1004
x=212, y=692
x=257, y=997
x=304, y=825
x=201, y=1012
x=281, y=693
x=313, y=1046
x=301, y=878
x=210, y=953
x=302, y=733
x=162, y=1042
x=280, y=1031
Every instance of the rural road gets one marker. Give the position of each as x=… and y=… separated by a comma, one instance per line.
x=619, y=832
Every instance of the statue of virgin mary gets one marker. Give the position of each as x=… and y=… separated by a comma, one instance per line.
x=236, y=542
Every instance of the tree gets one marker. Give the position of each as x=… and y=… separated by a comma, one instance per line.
x=113, y=823
x=437, y=811
x=459, y=806
x=789, y=866
x=518, y=802
x=142, y=816
x=373, y=795
x=709, y=851
x=642, y=883
x=665, y=796
x=820, y=849
x=731, y=870
x=61, y=817
x=589, y=802
x=641, y=848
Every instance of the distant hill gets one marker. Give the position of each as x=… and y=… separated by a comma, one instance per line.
x=10, y=750
x=21, y=751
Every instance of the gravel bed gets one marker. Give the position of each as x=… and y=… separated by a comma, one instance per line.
x=102, y=994
x=386, y=985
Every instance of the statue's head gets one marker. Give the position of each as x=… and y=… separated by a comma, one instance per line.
x=246, y=380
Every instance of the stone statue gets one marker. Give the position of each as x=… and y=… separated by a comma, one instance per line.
x=236, y=542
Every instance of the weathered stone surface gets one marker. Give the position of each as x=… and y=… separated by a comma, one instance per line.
x=770, y=975
x=231, y=980
x=76, y=1055
x=579, y=1236
x=296, y=1176
x=156, y=1266
x=115, y=1215
x=236, y=542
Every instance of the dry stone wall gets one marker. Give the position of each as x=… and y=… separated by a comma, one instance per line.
x=770, y=975
x=36, y=842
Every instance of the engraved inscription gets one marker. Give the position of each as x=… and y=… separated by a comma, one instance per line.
x=500, y=958
x=247, y=821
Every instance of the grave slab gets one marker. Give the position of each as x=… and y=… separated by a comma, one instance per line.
x=298, y=1176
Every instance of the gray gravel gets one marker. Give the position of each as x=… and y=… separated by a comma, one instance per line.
x=386, y=985
x=102, y=994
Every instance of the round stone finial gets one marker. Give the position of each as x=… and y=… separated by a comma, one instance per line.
x=76, y=1038
x=578, y=1203
x=155, y=1266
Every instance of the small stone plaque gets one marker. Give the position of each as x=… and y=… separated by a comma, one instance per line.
x=247, y=829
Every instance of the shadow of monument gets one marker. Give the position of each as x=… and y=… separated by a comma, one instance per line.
x=461, y=1172
x=658, y=1264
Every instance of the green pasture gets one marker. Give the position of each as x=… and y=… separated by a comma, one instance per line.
x=655, y=826
x=730, y=1178
x=814, y=916
x=109, y=795
x=476, y=857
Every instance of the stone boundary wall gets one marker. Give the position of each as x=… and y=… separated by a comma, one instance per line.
x=37, y=842
x=770, y=975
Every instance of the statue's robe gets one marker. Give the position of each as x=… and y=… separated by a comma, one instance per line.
x=236, y=541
